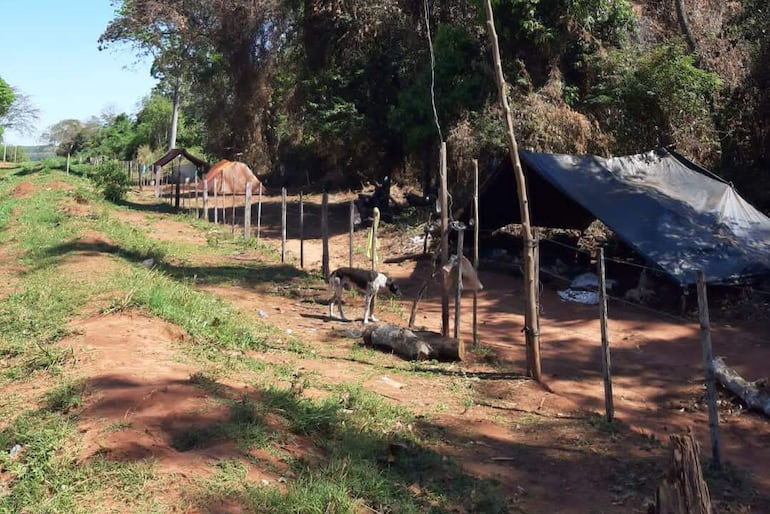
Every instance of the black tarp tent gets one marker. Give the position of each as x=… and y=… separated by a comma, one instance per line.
x=668, y=209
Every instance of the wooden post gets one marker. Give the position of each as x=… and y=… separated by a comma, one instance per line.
x=325, y=235
x=247, y=213
x=458, y=292
x=301, y=231
x=283, y=224
x=609, y=406
x=352, y=228
x=197, y=211
x=373, y=248
x=216, y=204
x=178, y=187
x=68, y=161
x=5, y=148
x=708, y=364
x=187, y=192
x=206, y=199
x=156, y=174
x=444, y=241
x=232, y=211
x=531, y=321
x=475, y=247
x=259, y=213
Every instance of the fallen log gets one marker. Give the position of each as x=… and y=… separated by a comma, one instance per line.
x=682, y=490
x=755, y=394
x=420, y=345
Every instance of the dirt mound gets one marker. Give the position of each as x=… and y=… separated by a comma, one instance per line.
x=23, y=189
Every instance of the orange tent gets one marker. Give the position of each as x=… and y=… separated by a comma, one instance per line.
x=231, y=177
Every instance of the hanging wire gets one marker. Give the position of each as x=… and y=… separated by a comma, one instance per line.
x=432, y=72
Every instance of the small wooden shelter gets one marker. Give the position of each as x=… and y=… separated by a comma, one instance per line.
x=183, y=164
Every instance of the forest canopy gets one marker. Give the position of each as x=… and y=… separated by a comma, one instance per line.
x=335, y=93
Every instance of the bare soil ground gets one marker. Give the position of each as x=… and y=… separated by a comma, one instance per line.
x=544, y=444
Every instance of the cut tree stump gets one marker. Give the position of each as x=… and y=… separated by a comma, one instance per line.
x=756, y=395
x=413, y=345
x=682, y=490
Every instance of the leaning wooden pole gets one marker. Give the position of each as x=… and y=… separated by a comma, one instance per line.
x=444, y=241
x=247, y=213
x=459, y=290
x=301, y=231
x=531, y=332
x=708, y=364
x=283, y=225
x=352, y=228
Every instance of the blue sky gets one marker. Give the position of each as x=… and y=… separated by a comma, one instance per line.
x=49, y=52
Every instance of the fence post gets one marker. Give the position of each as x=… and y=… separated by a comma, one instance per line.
x=352, y=228
x=197, y=211
x=475, y=247
x=283, y=224
x=216, y=204
x=708, y=364
x=301, y=231
x=247, y=213
x=259, y=213
x=205, y=199
x=609, y=406
x=325, y=235
x=444, y=240
x=458, y=293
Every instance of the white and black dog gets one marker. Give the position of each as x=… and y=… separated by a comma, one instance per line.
x=364, y=280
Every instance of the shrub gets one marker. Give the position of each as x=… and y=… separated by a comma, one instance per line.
x=112, y=181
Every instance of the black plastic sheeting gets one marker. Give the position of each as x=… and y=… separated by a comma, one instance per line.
x=668, y=209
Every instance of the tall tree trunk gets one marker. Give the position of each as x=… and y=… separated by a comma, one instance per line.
x=174, y=118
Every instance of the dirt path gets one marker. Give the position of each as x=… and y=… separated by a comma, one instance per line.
x=656, y=372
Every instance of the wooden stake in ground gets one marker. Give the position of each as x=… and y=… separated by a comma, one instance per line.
x=609, y=406
x=475, y=247
x=531, y=322
x=216, y=204
x=205, y=199
x=232, y=211
x=352, y=228
x=708, y=364
x=682, y=490
x=156, y=174
x=247, y=213
x=197, y=211
x=301, y=231
x=459, y=291
x=444, y=240
x=259, y=213
x=283, y=224
x=178, y=187
x=325, y=235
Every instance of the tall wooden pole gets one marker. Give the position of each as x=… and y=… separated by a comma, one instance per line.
x=708, y=365
x=609, y=406
x=444, y=240
x=531, y=322
x=325, y=235
x=475, y=247
x=301, y=231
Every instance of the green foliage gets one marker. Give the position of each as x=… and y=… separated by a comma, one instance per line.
x=650, y=97
x=6, y=98
x=112, y=181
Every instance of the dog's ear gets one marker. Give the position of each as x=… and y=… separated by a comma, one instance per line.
x=393, y=287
